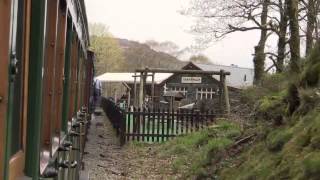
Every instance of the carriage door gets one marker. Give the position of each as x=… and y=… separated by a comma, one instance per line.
x=5, y=7
x=14, y=149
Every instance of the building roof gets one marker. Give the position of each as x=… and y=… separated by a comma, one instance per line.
x=128, y=77
x=240, y=77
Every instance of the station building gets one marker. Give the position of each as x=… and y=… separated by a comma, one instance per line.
x=194, y=87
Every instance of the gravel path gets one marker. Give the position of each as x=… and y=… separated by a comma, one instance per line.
x=103, y=157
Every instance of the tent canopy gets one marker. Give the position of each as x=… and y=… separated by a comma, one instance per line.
x=128, y=77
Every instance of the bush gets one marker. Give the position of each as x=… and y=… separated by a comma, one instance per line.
x=274, y=82
x=272, y=108
x=277, y=139
x=311, y=166
x=315, y=142
x=311, y=75
x=250, y=95
x=309, y=100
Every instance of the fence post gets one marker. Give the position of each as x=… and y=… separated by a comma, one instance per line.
x=197, y=120
x=226, y=94
x=221, y=88
x=123, y=128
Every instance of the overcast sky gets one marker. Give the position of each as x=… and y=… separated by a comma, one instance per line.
x=159, y=20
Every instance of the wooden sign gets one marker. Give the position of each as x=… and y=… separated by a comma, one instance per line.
x=191, y=80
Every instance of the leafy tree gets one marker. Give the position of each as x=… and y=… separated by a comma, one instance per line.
x=109, y=55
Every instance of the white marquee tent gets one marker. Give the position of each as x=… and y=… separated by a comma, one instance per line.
x=128, y=77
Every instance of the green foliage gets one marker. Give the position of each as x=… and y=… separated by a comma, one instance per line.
x=272, y=108
x=315, y=142
x=271, y=85
x=274, y=82
x=277, y=139
x=311, y=166
x=311, y=75
x=109, y=55
x=252, y=94
x=310, y=99
x=195, y=151
x=289, y=151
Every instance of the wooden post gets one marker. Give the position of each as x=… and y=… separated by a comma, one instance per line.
x=141, y=90
x=129, y=97
x=152, y=88
x=135, y=90
x=145, y=75
x=225, y=92
x=221, y=90
x=123, y=128
x=226, y=95
x=115, y=96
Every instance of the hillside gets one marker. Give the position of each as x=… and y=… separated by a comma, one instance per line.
x=138, y=55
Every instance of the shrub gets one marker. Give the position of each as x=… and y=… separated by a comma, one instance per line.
x=309, y=100
x=315, y=142
x=311, y=166
x=250, y=95
x=274, y=82
x=277, y=139
x=303, y=139
x=311, y=75
x=272, y=108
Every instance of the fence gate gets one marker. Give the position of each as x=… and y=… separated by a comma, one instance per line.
x=158, y=125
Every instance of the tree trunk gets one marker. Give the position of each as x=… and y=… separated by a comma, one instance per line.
x=311, y=15
x=292, y=6
x=259, y=59
x=283, y=26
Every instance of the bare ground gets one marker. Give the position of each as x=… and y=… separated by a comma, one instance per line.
x=105, y=159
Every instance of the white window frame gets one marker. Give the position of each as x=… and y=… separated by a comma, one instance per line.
x=205, y=93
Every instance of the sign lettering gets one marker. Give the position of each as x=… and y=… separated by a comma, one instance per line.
x=191, y=80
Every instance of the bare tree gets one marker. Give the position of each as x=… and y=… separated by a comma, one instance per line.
x=311, y=21
x=216, y=19
x=259, y=58
x=293, y=14
x=289, y=20
x=282, y=34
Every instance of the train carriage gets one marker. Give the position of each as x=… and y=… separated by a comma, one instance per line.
x=46, y=76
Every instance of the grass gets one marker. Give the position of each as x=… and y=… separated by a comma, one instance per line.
x=289, y=147
x=286, y=153
x=190, y=155
x=194, y=152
